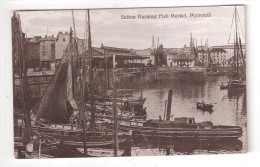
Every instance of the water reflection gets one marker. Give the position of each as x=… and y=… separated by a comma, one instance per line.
x=229, y=107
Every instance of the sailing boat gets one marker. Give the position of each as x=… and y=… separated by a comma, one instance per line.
x=237, y=75
x=53, y=116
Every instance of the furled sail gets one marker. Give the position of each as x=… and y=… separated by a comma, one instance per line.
x=58, y=103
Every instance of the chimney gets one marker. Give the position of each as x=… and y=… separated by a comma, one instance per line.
x=102, y=45
x=45, y=36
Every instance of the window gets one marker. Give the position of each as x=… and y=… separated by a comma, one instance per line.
x=63, y=39
x=190, y=121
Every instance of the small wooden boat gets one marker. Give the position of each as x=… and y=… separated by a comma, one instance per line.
x=70, y=149
x=184, y=129
x=33, y=155
x=41, y=146
x=179, y=129
x=98, y=144
x=233, y=85
x=205, y=107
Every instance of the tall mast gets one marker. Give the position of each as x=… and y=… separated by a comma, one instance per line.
x=92, y=110
x=141, y=80
x=84, y=94
x=234, y=57
x=242, y=55
x=115, y=110
x=19, y=51
x=106, y=71
x=23, y=78
x=157, y=43
x=237, y=57
x=202, y=51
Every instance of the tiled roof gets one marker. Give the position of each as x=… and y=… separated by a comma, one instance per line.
x=229, y=46
x=99, y=50
x=145, y=52
x=217, y=50
x=115, y=49
x=171, y=51
x=202, y=50
x=183, y=57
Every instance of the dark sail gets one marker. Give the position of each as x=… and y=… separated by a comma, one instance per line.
x=58, y=102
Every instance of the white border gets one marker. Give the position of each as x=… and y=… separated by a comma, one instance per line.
x=253, y=72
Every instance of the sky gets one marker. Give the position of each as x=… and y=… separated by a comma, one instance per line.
x=108, y=28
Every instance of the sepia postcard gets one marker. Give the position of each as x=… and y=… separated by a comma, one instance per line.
x=129, y=82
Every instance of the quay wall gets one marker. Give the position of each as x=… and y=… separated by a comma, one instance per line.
x=132, y=78
x=125, y=78
x=196, y=74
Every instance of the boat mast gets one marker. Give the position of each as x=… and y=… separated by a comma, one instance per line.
x=83, y=82
x=237, y=57
x=83, y=92
x=115, y=110
x=141, y=80
x=19, y=51
x=234, y=57
x=202, y=52
x=242, y=56
x=92, y=110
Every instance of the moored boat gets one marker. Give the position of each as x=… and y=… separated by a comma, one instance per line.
x=205, y=107
x=232, y=85
x=237, y=74
x=183, y=128
x=179, y=129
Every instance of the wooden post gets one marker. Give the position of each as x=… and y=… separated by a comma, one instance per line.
x=165, y=108
x=169, y=105
x=40, y=148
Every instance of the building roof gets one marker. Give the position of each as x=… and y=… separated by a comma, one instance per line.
x=183, y=57
x=217, y=50
x=229, y=46
x=108, y=48
x=99, y=50
x=39, y=39
x=145, y=52
x=171, y=51
x=99, y=53
x=202, y=50
x=122, y=57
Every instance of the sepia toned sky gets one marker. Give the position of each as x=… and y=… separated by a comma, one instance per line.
x=108, y=28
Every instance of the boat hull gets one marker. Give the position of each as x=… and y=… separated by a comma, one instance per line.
x=172, y=134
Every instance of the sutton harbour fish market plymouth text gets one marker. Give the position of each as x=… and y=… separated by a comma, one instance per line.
x=167, y=16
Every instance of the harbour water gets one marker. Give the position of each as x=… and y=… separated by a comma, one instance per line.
x=229, y=109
